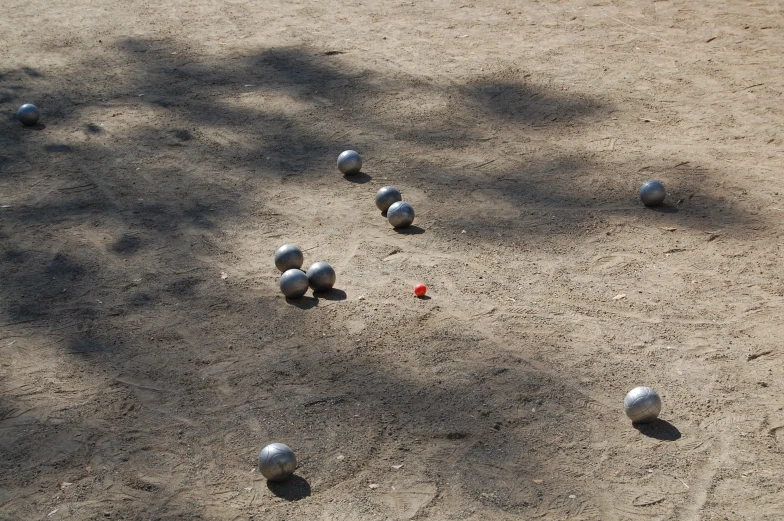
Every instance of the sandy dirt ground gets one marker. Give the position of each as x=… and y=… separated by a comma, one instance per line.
x=146, y=354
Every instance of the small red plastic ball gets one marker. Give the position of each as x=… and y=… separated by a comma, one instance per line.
x=420, y=290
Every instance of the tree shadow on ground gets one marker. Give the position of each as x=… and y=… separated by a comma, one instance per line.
x=262, y=139
x=110, y=259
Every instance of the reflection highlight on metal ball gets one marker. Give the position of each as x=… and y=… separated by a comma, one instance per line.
x=288, y=257
x=349, y=162
x=652, y=193
x=277, y=462
x=386, y=197
x=400, y=215
x=28, y=114
x=321, y=277
x=294, y=283
x=642, y=405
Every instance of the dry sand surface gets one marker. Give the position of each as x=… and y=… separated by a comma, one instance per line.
x=146, y=354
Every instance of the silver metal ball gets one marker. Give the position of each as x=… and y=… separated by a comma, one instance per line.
x=386, y=197
x=400, y=215
x=277, y=462
x=321, y=276
x=294, y=283
x=652, y=193
x=28, y=114
x=288, y=257
x=349, y=163
x=642, y=405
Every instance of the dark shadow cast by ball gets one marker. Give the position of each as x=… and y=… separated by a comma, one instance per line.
x=424, y=297
x=303, y=302
x=36, y=127
x=659, y=429
x=663, y=208
x=293, y=489
x=411, y=230
x=333, y=294
x=360, y=178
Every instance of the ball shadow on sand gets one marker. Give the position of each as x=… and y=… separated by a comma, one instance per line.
x=663, y=208
x=332, y=294
x=311, y=302
x=659, y=429
x=292, y=489
x=303, y=302
x=360, y=178
x=411, y=230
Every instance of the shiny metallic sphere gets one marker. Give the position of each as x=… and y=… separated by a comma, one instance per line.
x=400, y=215
x=642, y=405
x=652, y=193
x=321, y=276
x=277, y=462
x=349, y=163
x=288, y=257
x=294, y=283
x=386, y=196
x=28, y=114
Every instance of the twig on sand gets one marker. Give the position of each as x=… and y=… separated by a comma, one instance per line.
x=749, y=87
x=754, y=356
x=484, y=164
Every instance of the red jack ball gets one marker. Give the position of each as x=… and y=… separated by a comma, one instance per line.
x=420, y=290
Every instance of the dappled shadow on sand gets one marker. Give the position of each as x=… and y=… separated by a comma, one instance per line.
x=109, y=259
